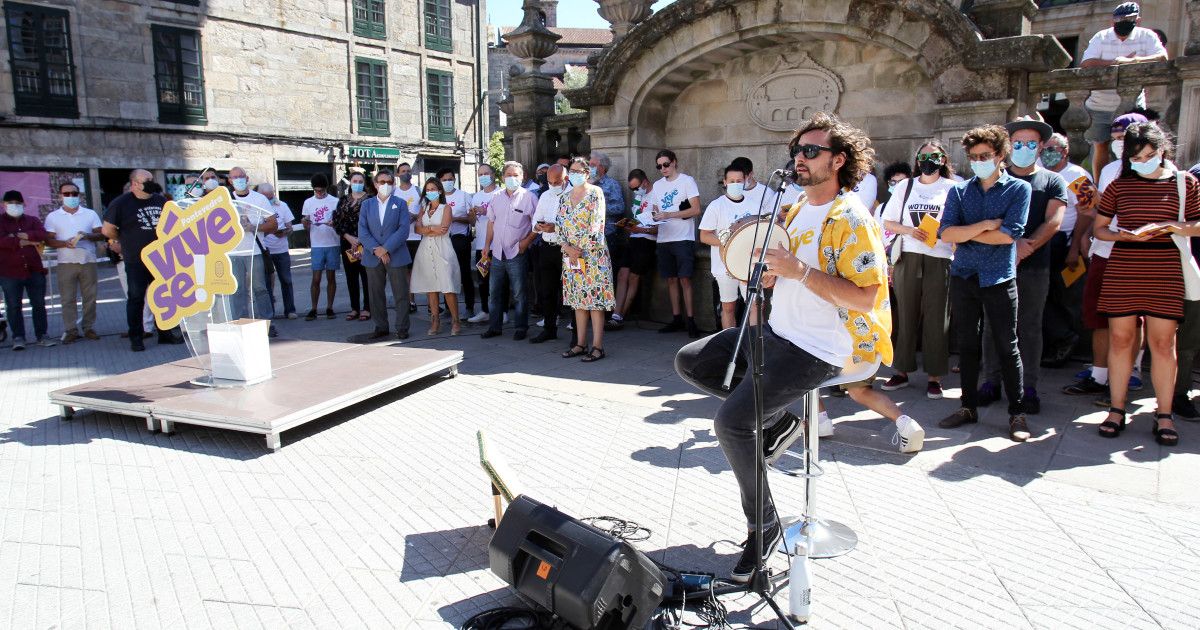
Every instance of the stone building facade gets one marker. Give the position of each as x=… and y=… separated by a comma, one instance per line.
x=93, y=88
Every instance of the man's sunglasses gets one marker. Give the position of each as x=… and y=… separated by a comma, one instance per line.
x=930, y=157
x=1028, y=144
x=70, y=194
x=662, y=165
x=810, y=151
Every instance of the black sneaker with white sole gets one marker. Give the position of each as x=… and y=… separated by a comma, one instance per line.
x=744, y=568
x=781, y=435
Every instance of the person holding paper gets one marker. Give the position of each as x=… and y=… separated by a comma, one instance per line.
x=587, y=278
x=643, y=241
x=922, y=271
x=1145, y=275
x=74, y=231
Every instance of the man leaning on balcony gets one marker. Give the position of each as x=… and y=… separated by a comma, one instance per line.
x=1125, y=42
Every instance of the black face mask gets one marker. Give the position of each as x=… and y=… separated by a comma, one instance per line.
x=929, y=167
x=151, y=187
x=1124, y=28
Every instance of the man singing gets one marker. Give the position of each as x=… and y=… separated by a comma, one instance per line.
x=829, y=313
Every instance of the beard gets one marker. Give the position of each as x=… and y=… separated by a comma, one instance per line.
x=811, y=178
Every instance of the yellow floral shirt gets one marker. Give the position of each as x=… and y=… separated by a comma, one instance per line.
x=852, y=248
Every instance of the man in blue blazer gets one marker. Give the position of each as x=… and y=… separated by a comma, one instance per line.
x=383, y=230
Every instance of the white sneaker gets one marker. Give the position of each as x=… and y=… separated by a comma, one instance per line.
x=824, y=425
x=910, y=437
x=541, y=323
x=480, y=317
x=292, y=316
x=506, y=318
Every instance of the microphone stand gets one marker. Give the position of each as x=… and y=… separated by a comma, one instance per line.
x=759, y=583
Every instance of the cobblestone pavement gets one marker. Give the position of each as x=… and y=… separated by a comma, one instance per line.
x=374, y=517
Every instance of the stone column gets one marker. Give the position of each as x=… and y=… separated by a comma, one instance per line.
x=1076, y=121
x=624, y=14
x=530, y=94
x=1187, y=143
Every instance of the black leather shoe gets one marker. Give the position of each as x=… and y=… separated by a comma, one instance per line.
x=377, y=335
x=488, y=334
x=137, y=345
x=543, y=337
x=519, y=335
x=401, y=336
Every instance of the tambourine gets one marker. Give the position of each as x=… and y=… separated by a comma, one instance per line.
x=742, y=238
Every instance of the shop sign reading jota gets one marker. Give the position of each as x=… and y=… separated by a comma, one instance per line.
x=190, y=259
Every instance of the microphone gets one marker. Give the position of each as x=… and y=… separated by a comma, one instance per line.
x=199, y=181
x=785, y=176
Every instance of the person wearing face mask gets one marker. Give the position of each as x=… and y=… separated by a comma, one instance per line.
x=984, y=217
x=1061, y=324
x=488, y=186
x=642, y=245
x=74, y=230
x=587, y=279
x=1047, y=204
x=509, y=235
x=383, y=231
x=1125, y=42
x=411, y=195
x=130, y=221
x=345, y=222
x=922, y=272
x=22, y=274
x=249, y=267
x=276, y=244
x=435, y=269
x=459, y=203
x=1144, y=277
x=320, y=213
x=718, y=217
x=547, y=268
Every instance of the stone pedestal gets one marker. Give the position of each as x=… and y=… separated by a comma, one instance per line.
x=1193, y=43
x=532, y=104
x=955, y=119
x=1004, y=18
x=624, y=14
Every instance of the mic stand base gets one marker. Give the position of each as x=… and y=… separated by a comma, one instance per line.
x=826, y=539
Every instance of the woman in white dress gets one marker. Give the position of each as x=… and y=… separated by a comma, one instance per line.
x=435, y=269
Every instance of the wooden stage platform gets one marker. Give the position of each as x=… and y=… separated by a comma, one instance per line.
x=311, y=380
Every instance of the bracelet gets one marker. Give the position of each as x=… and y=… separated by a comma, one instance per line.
x=807, y=270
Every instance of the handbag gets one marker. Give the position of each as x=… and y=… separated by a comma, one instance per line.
x=1191, y=272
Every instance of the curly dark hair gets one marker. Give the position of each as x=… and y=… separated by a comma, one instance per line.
x=994, y=136
x=1140, y=135
x=846, y=139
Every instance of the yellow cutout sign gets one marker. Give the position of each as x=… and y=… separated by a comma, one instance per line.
x=190, y=259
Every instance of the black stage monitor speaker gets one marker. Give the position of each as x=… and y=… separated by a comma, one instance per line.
x=584, y=576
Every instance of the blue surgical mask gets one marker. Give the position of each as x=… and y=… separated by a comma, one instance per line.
x=357, y=187
x=983, y=169
x=592, y=174
x=576, y=178
x=891, y=188
x=240, y=183
x=1024, y=157
x=1145, y=168
x=485, y=180
x=512, y=183
x=71, y=202
x=433, y=195
x=735, y=190
x=448, y=185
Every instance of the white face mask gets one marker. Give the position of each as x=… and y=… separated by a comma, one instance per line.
x=1118, y=147
x=210, y=184
x=14, y=210
x=385, y=191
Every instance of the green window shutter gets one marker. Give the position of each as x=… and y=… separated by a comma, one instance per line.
x=179, y=75
x=439, y=104
x=43, y=68
x=371, y=89
x=437, y=26
x=369, y=19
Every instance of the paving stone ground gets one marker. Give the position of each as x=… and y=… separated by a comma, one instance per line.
x=374, y=517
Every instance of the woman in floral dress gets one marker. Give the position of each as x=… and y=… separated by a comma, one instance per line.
x=587, y=267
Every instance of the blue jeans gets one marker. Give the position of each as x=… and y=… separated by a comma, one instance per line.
x=513, y=271
x=35, y=288
x=242, y=266
x=283, y=271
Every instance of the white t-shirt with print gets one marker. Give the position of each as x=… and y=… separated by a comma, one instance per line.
x=798, y=314
x=1072, y=173
x=721, y=213
x=284, y=216
x=319, y=212
x=481, y=200
x=412, y=197
x=66, y=225
x=924, y=199
x=668, y=195
x=867, y=190
x=247, y=247
x=460, y=207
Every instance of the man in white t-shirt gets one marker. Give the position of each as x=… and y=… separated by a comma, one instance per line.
x=676, y=201
x=326, y=250
x=719, y=216
x=1061, y=323
x=276, y=244
x=74, y=231
x=460, y=234
x=479, y=219
x=867, y=190
x=829, y=314
x=412, y=196
x=248, y=265
x=547, y=254
x=1125, y=42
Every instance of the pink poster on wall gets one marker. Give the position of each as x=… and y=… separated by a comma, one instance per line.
x=33, y=186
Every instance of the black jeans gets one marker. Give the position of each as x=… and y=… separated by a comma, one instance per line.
x=999, y=302
x=462, y=251
x=788, y=374
x=1062, y=321
x=356, y=284
x=139, y=279
x=548, y=282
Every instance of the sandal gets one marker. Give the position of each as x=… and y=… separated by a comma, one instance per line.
x=1166, y=437
x=1112, y=428
x=311, y=315
x=572, y=353
x=592, y=357
x=364, y=316
x=352, y=316
x=455, y=330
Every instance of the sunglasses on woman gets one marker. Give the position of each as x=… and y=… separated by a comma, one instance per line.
x=810, y=151
x=930, y=157
x=662, y=165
